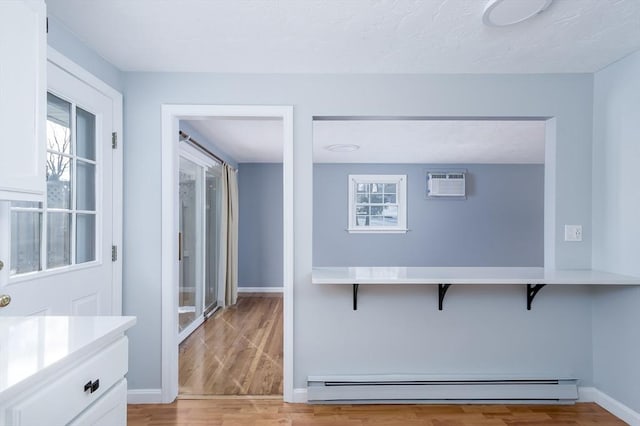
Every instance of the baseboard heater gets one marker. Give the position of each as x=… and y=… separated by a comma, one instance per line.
x=428, y=389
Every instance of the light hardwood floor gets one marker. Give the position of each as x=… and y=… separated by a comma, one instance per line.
x=237, y=412
x=238, y=351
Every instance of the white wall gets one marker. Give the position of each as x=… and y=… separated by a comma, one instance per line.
x=616, y=228
x=395, y=329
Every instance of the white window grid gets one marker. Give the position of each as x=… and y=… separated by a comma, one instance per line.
x=43, y=209
x=400, y=181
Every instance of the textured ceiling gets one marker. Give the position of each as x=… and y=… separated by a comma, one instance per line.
x=431, y=141
x=350, y=36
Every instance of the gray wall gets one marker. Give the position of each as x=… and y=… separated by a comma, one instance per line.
x=482, y=329
x=501, y=223
x=616, y=247
x=396, y=329
x=260, y=240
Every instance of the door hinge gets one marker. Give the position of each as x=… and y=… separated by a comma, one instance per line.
x=114, y=140
x=114, y=253
x=47, y=25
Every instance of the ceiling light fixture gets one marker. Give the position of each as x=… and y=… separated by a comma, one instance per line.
x=500, y=13
x=342, y=147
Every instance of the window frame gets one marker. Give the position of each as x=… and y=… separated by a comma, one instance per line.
x=401, y=200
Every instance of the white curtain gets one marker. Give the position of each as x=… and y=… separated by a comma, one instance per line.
x=229, y=234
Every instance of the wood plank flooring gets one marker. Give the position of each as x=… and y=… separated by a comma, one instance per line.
x=238, y=351
x=261, y=412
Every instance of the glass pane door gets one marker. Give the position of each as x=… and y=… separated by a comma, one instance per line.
x=190, y=224
x=213, y=194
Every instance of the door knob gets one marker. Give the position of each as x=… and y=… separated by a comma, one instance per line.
x=1, y=265
x=5, y=299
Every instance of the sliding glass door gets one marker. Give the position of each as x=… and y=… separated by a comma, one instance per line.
x=198, y=239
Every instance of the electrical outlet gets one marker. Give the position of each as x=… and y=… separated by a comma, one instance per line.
x=573, y=232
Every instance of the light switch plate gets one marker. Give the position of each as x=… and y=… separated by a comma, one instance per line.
x=573, y=232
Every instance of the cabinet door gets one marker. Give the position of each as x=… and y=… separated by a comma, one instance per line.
x=110, y=410
x=23, y=92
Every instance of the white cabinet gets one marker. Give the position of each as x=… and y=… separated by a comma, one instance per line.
x=64, y=371
x=23, y=92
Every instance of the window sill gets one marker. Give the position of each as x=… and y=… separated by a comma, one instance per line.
x=377, y=231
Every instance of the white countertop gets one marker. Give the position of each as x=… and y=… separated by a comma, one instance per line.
x=465, y=275
x=31, y=347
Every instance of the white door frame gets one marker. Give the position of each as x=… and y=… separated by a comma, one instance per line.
x=66, y=64
x=171, y=114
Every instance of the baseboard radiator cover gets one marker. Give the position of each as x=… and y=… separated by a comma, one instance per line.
x=421, y=389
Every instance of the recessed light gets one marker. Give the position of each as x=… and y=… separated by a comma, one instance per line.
x=342, y=147
x=500, y=13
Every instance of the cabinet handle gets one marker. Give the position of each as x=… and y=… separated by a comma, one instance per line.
x=92, y=386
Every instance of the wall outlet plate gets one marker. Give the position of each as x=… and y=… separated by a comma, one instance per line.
x=573, y=232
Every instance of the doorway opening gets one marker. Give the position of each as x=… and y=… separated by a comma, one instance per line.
x=196, y=270
x=230, y=256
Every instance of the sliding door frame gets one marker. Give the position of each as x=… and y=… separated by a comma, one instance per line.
x=171, y=114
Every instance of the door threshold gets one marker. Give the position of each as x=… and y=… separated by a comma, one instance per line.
x=230, y=397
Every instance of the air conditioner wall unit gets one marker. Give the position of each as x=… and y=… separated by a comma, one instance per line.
x=440, y=389
x=446, y=184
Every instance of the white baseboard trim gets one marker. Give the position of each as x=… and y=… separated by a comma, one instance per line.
x=587, y=394
x=615, y=407
x=260, y=289
x=144, y=396
x=300, y=396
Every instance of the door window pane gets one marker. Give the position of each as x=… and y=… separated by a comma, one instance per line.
x=58, y=181
x=85, y=134
x=58, y=124
x=85, y=238
x=86, y=186
x=58, y=239
x=25, y=241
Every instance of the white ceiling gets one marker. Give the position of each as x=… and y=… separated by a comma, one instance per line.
x=350, y=36
x=431, y=141
x=245, y=139
x=259, y=140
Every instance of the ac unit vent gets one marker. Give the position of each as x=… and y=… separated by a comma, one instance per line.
x=446, y=184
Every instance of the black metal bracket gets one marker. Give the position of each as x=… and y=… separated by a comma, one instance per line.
x=355, y=296
x=532, y=290
x=442, y=290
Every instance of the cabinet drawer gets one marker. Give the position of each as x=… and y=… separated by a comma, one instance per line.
x=109, y=410
x=58, y=402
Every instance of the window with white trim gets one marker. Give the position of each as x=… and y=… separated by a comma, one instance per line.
x=377, y=203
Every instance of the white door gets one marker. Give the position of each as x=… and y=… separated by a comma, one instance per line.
x=57, y=254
